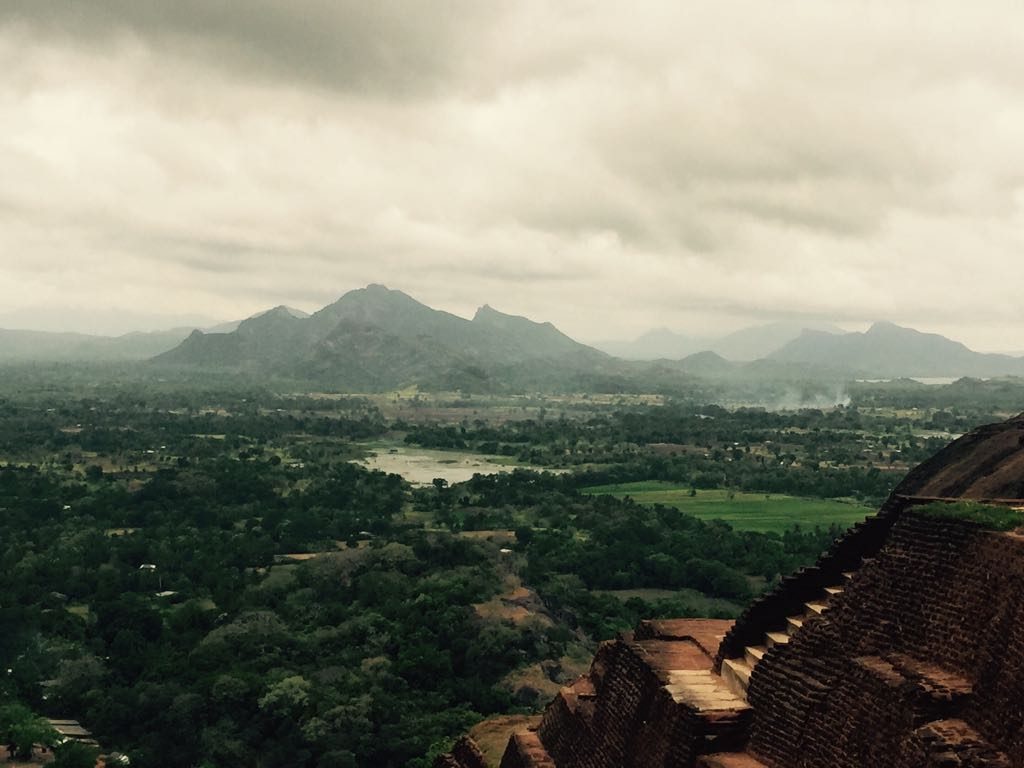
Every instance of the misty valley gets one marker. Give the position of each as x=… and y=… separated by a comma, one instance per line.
x=459, y=384
x=297, y=575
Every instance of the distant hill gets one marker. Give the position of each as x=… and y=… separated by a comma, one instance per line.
x=659, y=344
x=744, y=345
x=377, y=338
x=760, y=341
x=44, y=346
x=887, y=350
x=708, y=364
x=233, y=325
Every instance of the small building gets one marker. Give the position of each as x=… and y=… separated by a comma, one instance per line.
x=72, y=730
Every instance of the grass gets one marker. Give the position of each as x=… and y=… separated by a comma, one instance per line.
x=743, y=511
x=988, y=516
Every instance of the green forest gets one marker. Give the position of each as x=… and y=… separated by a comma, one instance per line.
x=212, y=561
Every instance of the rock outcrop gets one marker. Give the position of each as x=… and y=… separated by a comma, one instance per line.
x=902, y=647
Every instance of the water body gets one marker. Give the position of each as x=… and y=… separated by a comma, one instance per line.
x=420, y=466
x=931, y=381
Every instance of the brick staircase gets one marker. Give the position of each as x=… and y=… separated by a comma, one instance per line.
x=736, y=671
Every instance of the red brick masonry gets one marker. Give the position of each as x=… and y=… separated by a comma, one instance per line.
x=917, y=661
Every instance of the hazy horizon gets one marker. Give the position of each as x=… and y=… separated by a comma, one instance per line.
x=611, y=170
x=112, y=324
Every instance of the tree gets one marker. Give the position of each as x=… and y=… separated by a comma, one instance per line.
x=287, y=698
x=74, y=754
x=21, y=729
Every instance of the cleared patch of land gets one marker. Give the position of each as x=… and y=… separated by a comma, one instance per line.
x=421, y=465
x=518, y=606
x=743, y=511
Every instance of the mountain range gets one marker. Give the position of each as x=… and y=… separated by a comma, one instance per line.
x=375, y=338
x=46, y=346
x=887, y=350
x=743, y=345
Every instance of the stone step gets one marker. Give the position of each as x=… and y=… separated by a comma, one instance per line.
x=729, y=760
x=753, y=654
x=833, y=591
x=816, y=608
x=848, y=575
x=736, y=674
x=793, y=624
x=775, y=638
x=704, y=690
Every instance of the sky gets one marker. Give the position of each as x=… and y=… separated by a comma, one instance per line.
x=609, y=166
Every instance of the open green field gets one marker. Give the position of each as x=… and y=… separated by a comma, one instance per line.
x=743, y=511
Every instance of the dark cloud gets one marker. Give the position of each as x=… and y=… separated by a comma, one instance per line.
x=379, y=47
x=607, y=166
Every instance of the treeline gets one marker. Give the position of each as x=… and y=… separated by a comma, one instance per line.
x=125, y=424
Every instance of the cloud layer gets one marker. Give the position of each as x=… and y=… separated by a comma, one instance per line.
x=608, y=167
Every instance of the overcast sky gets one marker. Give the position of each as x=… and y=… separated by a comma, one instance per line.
x=611, y=167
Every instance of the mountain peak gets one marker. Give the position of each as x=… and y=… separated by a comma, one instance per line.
x=378, y=293
x=371, y=304
x=283, y=310
x=886, y=326
x=488, y=314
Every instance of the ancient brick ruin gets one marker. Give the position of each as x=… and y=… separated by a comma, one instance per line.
x=902, y=646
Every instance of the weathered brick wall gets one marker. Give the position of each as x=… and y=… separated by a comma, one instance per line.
x=525, y=750
x=931, y=629
x=630, y=721
x=997, y=709
x=622, y=716
x=465, y=754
